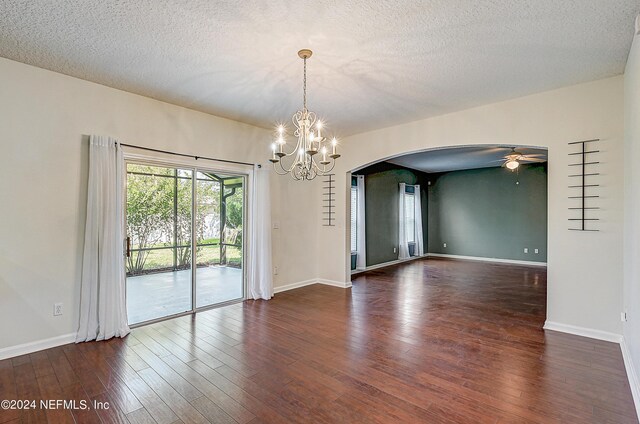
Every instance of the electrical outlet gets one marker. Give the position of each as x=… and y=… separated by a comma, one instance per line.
x=395, y=250
x=536, y=251
x=526, y=250
x=276, y=225
x=57, y=309
x=275, y=270
x=444, y=244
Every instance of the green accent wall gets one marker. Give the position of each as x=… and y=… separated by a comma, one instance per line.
x=483, y=212
x=381, y=197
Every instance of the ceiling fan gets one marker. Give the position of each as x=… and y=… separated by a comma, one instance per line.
x=513, y=159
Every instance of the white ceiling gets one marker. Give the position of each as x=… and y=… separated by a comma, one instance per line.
x=375, y=64
x=458, y=158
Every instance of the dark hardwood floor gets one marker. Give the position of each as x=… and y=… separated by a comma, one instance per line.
x=430, y=341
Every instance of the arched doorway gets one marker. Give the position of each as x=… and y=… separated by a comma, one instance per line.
x=496, y=218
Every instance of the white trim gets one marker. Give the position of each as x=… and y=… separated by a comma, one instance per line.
x=459, y=257
x=25, y=348
x=305, y=283
x=482, y=259
x=292, y=286
x=385, y=264
x=335, y=283
x=582, y=331
x=632, y=375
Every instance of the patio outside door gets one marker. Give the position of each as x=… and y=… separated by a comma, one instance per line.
x=166, y=209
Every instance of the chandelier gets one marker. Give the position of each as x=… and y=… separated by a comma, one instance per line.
x=303, y=162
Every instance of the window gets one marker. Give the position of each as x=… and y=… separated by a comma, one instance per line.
x=409, y=217
x=354, y=219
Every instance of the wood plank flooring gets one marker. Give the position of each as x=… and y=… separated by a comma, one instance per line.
x=432, y=341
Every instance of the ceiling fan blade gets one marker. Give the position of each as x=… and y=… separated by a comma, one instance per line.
x=533, y=160
x=496, y=149
x=540, y=155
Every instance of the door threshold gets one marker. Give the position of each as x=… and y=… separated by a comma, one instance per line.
x=183, y=314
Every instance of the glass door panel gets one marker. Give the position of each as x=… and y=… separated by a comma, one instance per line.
x=159, y=228
x=219, y=226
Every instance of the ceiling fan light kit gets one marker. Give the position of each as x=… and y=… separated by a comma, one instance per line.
x=512, y=164
x=514, y=159
x=311, y=141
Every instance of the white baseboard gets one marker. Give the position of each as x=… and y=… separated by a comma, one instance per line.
x=304, y=283
x=443, y=255
x=632, y=375
x=582, y=331
x=335, y=283
x=385, y=264
x=295, y=285
x=482, y=259
x=23, y=349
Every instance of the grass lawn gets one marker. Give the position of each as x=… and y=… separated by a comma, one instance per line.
x=205, y=255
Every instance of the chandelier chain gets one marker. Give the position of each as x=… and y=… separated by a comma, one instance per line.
x=304, y=85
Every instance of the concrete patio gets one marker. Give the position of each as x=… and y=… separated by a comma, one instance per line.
x=155, y=296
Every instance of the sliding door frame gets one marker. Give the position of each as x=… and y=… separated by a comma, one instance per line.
x=243, y=171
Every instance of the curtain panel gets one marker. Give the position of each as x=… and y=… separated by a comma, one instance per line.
x=103, y=311
x=361, y=258
x=417, y=203
x=403, y=245
x=260, y=284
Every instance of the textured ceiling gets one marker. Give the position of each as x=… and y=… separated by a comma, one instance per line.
x=455, y=159
x=375, y=64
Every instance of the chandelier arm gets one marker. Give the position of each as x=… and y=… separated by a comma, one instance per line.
x=324, y=169
x=275, y=168
x=333, y=165
x=290, y=168
x=314, y=165
x=294, y=151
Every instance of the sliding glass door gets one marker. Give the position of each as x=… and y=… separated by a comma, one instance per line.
x=219, y=223
x=166, y=209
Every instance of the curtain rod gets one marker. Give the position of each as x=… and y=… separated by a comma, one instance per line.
x=188, y=156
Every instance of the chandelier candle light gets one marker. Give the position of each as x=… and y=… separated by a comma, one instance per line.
x=309, y=133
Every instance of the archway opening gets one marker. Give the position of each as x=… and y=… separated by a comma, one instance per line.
x=483, y=202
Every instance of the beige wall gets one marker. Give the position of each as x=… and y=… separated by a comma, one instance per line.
x=584, y=268
x=44, y=118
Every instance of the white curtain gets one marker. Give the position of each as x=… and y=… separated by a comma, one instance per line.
x=361, y=259
x=418, y=220
x=103, y=311
x=403, y=245
x=260, y=283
